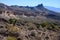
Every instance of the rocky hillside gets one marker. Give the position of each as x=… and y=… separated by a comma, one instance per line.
x=40, y=24
x=23, y=29
x=31, y=11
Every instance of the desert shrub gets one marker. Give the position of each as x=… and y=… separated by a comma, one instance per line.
x=50, y=28
x=11, y=38
x=55, y=23
x=30, y=26
x=44, y=24
x=13, y=28
x=32, y=34
x=21, y=22
x=12, y=21
x=37, y=25
x=53, y=27
x=19, y=38
x=47, y=38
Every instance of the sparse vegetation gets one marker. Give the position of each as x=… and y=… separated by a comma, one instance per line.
x=16, y=29
x=11, y=38
x=28, y=23
x=13, y=28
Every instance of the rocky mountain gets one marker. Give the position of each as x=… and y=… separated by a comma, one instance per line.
x=31, y=11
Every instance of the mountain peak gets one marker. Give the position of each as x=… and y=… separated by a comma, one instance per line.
x=40, y=5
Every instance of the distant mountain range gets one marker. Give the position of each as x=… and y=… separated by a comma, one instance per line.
x=31, y=11
x=53, y=8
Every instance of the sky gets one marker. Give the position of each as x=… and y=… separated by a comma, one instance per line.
x=52, y=3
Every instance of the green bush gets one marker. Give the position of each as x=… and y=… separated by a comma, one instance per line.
x=12, y=21
x=53, y=27
x=44, y=24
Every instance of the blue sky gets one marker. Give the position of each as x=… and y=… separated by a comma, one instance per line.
x=52, y=3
